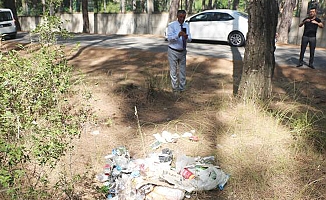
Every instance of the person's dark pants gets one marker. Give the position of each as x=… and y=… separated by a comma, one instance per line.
x=312, y=46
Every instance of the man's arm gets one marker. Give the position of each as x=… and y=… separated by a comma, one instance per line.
x=303, y=22
x=320, y=24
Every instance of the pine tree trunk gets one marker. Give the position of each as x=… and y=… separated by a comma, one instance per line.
x=150, y=6
x=259, y=60
x=235, y=4
x=44, y=7
x=85, y=16
x=11, y=4
x=25, y=7
x=189, y=9
x=210, y=4
x=123, y=6
x=203, y=5
x=286, y=20
x=70, y=6
x=173, y=10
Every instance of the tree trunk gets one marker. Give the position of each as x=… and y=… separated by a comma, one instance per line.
x=203, y=5
x=44, y=7
x=51, y=9
x=210, y=4
x=150, y=6
x=304, y=9
x=286, y=20
x=11, y=4
x=259, y=60
x=25, y=7
x=190, y=6
x=123, y=6
x=235, y=4
x=70, y=6
x=134, y=5
x=173, y=10
x=85, y=16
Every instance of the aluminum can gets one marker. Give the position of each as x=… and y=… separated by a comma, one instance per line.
x=187, y=174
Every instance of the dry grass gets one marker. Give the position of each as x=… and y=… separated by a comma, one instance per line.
x=257, y=154
x=265, y=156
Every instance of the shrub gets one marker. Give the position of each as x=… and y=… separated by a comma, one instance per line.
x=37, y=122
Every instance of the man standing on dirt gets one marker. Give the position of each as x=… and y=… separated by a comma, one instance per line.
x=311, y=24
x=178, y=35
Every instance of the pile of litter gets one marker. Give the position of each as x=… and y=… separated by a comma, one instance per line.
x=154, y=177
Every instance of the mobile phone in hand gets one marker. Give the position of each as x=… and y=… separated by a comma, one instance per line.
x=184, y=30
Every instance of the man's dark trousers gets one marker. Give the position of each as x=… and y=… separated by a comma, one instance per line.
x=312, y=46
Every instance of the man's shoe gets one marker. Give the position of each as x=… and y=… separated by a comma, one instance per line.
x=311, y=66
x=300, y=64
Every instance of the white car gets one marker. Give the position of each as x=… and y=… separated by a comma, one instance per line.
x=7, y=23
x=219, y=25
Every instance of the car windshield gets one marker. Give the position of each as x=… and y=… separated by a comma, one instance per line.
x=5, y=16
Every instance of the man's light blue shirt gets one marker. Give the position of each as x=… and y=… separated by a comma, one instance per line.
x=175, y=41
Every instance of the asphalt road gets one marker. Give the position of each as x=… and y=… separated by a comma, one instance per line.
x=284, y=55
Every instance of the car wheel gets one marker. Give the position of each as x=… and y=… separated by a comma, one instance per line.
x=236, y=39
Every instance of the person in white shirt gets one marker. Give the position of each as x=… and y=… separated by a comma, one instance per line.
x=178, y=35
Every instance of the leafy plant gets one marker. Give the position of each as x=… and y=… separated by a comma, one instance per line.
x=37, y=120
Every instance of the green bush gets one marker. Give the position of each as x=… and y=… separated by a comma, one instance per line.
x=37, y=122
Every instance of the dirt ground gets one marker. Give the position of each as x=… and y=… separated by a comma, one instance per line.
x=120, y=81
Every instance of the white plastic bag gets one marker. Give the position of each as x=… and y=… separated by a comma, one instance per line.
x=183, y=161
x=165, y=193
x=211, y=178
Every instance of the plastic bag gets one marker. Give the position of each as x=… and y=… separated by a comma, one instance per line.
x=183, y=161
x=211, y=178
x=165, y=193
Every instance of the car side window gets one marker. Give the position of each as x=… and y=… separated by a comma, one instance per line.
x=216, y=16
x=211, y=16
x=225, y=17
x=201, y=17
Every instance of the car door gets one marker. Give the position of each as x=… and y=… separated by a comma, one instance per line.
x=223, y=24
x=200, y=26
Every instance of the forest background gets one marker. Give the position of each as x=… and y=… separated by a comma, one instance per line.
x=287, y=9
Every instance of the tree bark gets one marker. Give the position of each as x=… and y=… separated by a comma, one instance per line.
x=286, y=20
x=210, y=4
x=173, y=10
x=304, y=9
x=134, y=5
x=25, y=7
x=44, y=7
x=11, y=4
x=229, y=4
x=189, y=9
x=150, y=6
x=235, y=4
x=70, y=6
x=259, y=60
x=123, y=6
x=85, y=16
x=203, y=5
